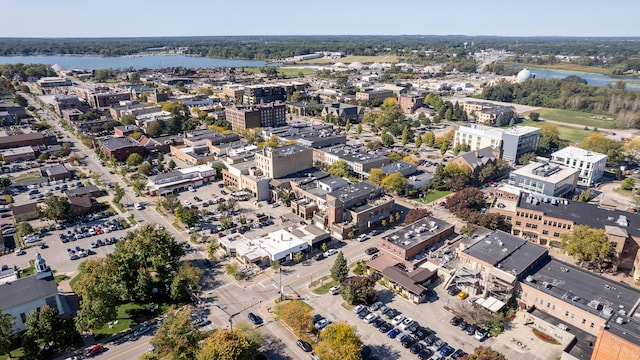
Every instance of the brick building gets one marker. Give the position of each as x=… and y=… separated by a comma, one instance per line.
x=263, y=115
x=119, y=147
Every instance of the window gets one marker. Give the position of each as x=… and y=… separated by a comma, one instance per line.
x=584, y=321
x=555, y=234
x=553, y=307
x=518, y=223
x=548, y=304
x=525, y=294
x=566, y=313
x=591, y=326
x=545, y=232
x=573, y=315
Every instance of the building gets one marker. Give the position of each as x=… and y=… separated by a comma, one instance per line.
x=23, y=153
x=263, y=115
x=47, y=82
x=490, y=113
x=25, y=212
x=584, y=300
x=359, y=162
x=315, y=136
x=618, y=340
x=65, y=102
x=545, y=178
x=71, y=115
x=245, y=175
x=280, y=162
x=119, y=147
x=57, y=172
x=374, y=94
x=591, y=164
x=264, y=94
x=476, y=160
x=279, y=245
x=494, y=262
x=156, y=96
x=304, y=108
x=21, y=140
x=310, y=188
x=344, y=112
x=512, y=142
x=410, y=102
x=180, y=180
x=124, y=130
x=233, y=91
x=19, y=296
x=543, y=219
x=402, y=167
x=98, y=100
x=353, y=209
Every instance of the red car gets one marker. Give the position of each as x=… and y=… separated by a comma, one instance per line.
x=99, y=230
x=94, y=350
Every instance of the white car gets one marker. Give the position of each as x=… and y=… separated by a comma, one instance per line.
x=406, y=323
x=334, y=290
x=138, y=206
x=192, y=189
x=397, y=320
x=370, y=318
x=330, y=252
x=187, y=203
x=358, y=308
x=322, y=324
x=362, y=237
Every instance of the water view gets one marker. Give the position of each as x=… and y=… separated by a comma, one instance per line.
x=123, y=62
x=633, y=83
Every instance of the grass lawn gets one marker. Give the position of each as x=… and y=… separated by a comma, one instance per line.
x=290, y=71
x=434, y=195
x=571, y=134
x=325, y=287
x=27, y=271
x=575, y=117
x=59, y=278
x=349, y=59
x=125, y=315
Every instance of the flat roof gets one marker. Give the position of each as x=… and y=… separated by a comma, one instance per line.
x=577, y=153
x=359, y=190
x=583, y=347
x=595, y=294
x=288, y=150
x=506, y=252
x=115, y=143
x=351, y=154
x=402, y=167
x=417, y=232
x=548, y=172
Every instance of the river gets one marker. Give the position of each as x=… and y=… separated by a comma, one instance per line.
x=632, y=83
x=123, y=62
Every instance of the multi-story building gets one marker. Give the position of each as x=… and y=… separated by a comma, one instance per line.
x=489, y=113
x=591, y=164
x=410, y=102
x=245, y=175
x=316, y=137
x=374, y=94
x=233, y=91
x=119, y=147
x=543, y=219
x=545, y=178
x=359, y=162
x=495, y=261
x=512, y=142
x=180, y=180
x=54, y=82
x=355, y=208
x=98, y=100
x=264, y=94
x=263, y=115
x=280, y=162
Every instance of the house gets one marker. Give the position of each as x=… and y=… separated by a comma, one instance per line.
x=19, y=296
x=477, y=160
x=57, y=172
x=25, y=212
x=344, y=112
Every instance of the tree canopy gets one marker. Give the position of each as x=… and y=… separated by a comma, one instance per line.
x=339, y=270
x=225, y=344
x=339, y=341
x=359, y=290
x=586, y=244
x=54, y=208
x=177, y=337
x=339, y=168
x=395, y=183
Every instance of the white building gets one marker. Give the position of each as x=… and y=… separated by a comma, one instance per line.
x=591, y=164
x=181, y=179
x=279, y=245
x=19, y=296
x=513, y=142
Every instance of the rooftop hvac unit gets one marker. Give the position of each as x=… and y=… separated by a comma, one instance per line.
x=529, y=279
x=607, y=311
x=619, y=321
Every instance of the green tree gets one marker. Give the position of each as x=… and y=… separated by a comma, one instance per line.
x=23, y=229
x=339, y=168
x=296, y=314
x=376, y=176
x=347, y=126
x=189, y=274
x=359, y=290
x=339, y=341
x=598, y=142
x=172, y=164
x=128, y=119
x=118, y=193
x=485, y=353
x=134, y=159
x=5, y=182
x=155, y=129
x=418, y=141
x=387, y=140
x=627, y=184
x=228, y=345
x=54, y=208
x=527, y=158
x=297, y=257
x=487, y=172
x=187, y=215
x=6, y=330
x=273, y=142
x=339, y=271
x=496, y=324
x=98, y=291
x=169, y=203
x=534, y=116
x=286, y=196
x=144, y=169
x=177, y=337
x=395, y=183
x=429, y=139
x=405, y=135
x=359, y=129
x=586, y=244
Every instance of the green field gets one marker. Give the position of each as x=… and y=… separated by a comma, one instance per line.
x=285, y=72
x=434, y=195
x=574, y=117
x=571, y=134
x=389, y=58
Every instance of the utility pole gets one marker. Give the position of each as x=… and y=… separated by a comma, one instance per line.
x=231, y=316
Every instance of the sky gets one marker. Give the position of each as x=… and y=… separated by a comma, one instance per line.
x=131, y=18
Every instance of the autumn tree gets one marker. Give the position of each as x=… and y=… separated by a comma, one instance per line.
x=418, y=141
x=429, y=139
x=549, y=138
x=376, y=176
x=225, y=344
x=339, y=271
x=296, y=314
x=598, y=142
x=177, y=337
x=339, y=341
x=465, y=199
x=586, y=244
x=416, y=214
x=98, y=291
x=134, y=159
x=273, y=141
x=484, y=353
x=54, y=208
x=359, y=290
x=395, y=183
x=6, y=330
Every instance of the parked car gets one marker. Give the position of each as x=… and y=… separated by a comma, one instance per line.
x=334, y=290
x=256, y=320
x=393, y=333
x=362, y=237
x=372, y=250
x=321, y=324
x=305, y=346
x=330, y=252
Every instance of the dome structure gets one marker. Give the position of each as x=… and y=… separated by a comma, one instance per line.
x=355, y=65
x=524, y=75
x=339, y=64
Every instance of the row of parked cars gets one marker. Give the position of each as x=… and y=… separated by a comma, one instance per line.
x=419, y=340
x=81, y=232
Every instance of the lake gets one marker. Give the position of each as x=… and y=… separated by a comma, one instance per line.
x=123, y=62
x=633, y=83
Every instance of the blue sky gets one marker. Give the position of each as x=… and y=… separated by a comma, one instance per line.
x=75, y=18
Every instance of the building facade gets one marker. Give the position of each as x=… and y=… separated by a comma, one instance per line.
x=280, y=162
x=410, y=102
x=590, y=164
x=250, y=117
x=545, y=178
